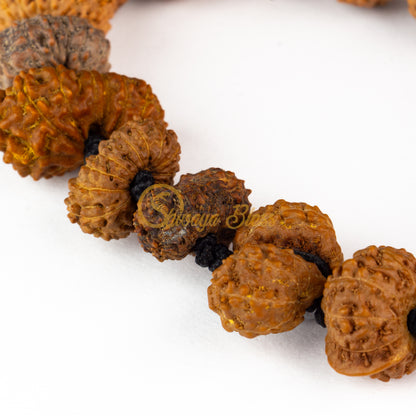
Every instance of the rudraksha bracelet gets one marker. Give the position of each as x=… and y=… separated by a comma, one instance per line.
x=270, y=266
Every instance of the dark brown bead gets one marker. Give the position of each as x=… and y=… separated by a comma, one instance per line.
x=170, y=221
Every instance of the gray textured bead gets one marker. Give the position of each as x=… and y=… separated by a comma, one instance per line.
x=49, y=41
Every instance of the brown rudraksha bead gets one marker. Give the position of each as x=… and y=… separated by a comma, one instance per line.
x=412, y=7
x=170, y=221
x=366, y=302
x=98, y=12
x=100, y=200
x=281, y=246
x=48, y=112
x=292, y=225
x=49, y=41
x=365, y=3
x=262, y=289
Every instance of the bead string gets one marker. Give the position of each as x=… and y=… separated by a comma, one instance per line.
x=281, y=247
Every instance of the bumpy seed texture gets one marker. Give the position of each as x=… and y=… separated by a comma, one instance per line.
x=170, y=221
x=262, y=289
x=292, y=225
x=98, y=12
x=365, y=3
x=99, y=199
x=366, y=304
x=48, y=112
x=50, y=41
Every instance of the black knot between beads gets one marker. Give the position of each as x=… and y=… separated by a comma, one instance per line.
x=326, y=271
x=140, y=182
x=317, y=311
x=209, y=253
x=94, y=139
x=322, y=265
x=411, y=322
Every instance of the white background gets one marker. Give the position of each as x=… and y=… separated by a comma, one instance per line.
x=307, y=100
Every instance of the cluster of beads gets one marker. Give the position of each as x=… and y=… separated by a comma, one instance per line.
x=60, y=110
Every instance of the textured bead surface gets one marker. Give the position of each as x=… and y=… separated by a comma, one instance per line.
x=366, y=303
x=50, y=41
x=48, y=112
x=100, y=200
x=292, y=225
x=98, y=12
x=262, y=289
x=209, y=193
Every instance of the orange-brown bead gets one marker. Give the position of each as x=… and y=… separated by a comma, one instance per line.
x=366, y=304
x=46, y=115
x=292, y=225
x=412, y=7
x=365, y=3
x=262, y=289
x=99, y=199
